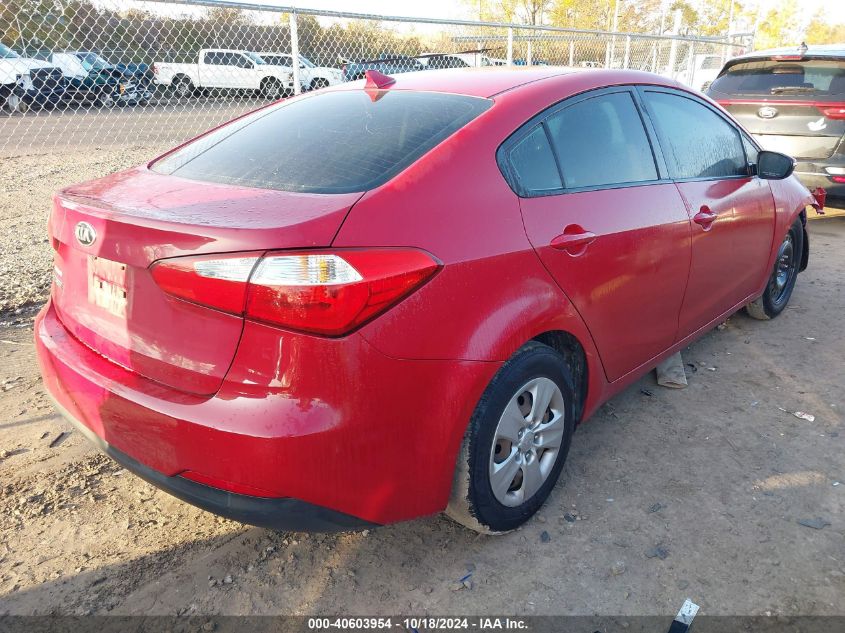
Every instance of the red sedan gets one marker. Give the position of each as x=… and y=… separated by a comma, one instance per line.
x=383, y=300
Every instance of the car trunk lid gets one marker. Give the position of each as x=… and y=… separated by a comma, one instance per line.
x=108, y=232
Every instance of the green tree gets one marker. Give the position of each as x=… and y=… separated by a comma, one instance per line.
x=820, y=31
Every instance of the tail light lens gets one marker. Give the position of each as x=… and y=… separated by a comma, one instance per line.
x=322, y=292
x=836, y=112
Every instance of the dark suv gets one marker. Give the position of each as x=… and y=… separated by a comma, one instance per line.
x=792, y=101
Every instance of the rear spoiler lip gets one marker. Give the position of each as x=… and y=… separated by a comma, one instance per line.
x=782, y=102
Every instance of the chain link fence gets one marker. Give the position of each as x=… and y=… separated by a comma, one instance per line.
x=85, y=73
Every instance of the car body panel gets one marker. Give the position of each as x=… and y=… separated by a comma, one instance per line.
x=607, y=281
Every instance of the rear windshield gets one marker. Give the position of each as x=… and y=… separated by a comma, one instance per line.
x=335, y=142
x=817, y=77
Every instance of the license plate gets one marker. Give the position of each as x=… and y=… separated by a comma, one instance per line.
x=107, y=286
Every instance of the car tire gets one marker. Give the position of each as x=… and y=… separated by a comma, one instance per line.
x=13, y=104
x=499, y=482
x=271, y=88
x=319, y=82
x=779, y=287
x=183, y=88
x=105, y=99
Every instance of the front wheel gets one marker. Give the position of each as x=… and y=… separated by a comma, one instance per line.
x=516, y=443
x=779, y=288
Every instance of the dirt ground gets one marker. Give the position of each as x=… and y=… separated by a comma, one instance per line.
x=695, y=493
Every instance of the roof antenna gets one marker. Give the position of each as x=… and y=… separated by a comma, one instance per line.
x=377, y=80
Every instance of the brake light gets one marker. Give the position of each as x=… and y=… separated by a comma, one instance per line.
x=836, y=112
x=322, y=292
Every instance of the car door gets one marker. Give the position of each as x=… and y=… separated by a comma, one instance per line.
x=608, y=225
x=732, y=210
x=214, y=72
x=242, y=71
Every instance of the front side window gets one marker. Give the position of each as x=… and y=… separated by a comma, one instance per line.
x=334, y=142
x=602, y=141
x=533, y=163
x=697, y=142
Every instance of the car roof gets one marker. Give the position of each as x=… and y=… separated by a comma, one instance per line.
x=819, y=50
x=492, y=80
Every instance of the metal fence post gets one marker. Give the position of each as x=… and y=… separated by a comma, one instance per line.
x=691, y=64
x=294, y=53
x=510, y=46
x=529, y=56
x=572, y=52
x=627, y=59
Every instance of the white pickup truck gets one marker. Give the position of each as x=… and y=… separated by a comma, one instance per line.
x=225, y=69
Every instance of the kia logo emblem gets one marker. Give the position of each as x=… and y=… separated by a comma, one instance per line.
x=85, y=234
x=767, y=112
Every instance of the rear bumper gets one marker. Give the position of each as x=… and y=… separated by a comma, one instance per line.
x=814, y=174
x=305, y=433
x=279, y=514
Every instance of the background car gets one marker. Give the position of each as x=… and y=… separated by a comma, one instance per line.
x=311, y=77
x=385, y=63
x=93, y=79
x=705, y=68
x=348, y=308
x=25, y=82
x=793, y=101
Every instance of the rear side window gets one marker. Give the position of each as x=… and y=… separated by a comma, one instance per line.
x=534, y=164
x=697, y=142
x=335, y=142
x=602, y=141
x=818, y=77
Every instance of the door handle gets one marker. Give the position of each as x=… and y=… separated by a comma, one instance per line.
x=705, y=217
x=573, y=240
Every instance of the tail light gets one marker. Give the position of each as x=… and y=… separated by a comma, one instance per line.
x=836, y=112
x=322, y=292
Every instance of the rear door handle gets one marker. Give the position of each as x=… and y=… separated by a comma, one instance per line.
x=573, y=240
x=705, y=217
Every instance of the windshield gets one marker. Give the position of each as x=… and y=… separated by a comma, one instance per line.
x=258, y=60
x=7, y=53
x=335, y=142
x=306, y=62
x=822, y=77
x=92, y=61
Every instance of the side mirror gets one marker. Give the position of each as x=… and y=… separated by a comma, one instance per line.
x=774, y=165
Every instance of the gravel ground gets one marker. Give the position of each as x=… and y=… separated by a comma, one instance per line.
x=27, y=183
x=704, y=493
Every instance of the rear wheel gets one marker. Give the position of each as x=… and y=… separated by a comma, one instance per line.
x=319, y=82
x=271, y=88
x=778, y=290
x=182, y=87
x=516, y=443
